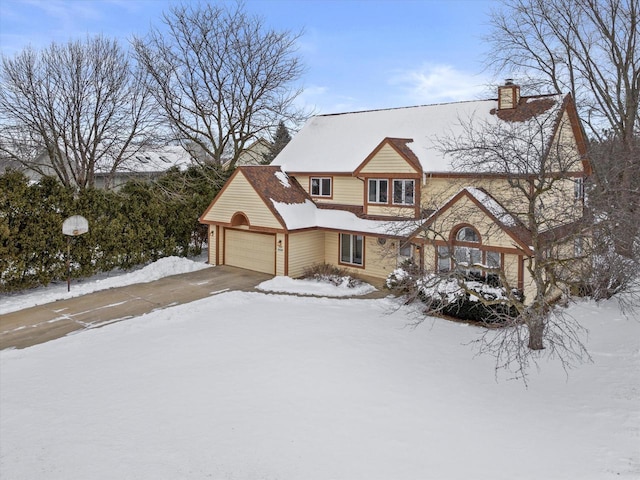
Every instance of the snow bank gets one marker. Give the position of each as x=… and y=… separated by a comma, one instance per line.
x=314, y=287
x=162, y=268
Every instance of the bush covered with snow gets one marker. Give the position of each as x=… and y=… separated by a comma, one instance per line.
x=478, y=301
x=325, y=272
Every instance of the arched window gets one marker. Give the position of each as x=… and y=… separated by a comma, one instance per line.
x=467, y=253
x=467, y=234
x=466, y=256
x=239, y=219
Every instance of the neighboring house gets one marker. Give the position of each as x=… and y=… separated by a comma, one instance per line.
x=252, y=155
x=145, y=165
x=359, y=189
x=13, y=165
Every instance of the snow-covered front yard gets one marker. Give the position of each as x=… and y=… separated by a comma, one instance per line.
x=266, y=386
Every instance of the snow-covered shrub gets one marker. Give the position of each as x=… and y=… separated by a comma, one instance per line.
x=461, y=298
x=325, y=272
x=403, y=280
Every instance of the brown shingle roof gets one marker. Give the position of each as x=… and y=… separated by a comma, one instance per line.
x=269, y=186
x=527, y=108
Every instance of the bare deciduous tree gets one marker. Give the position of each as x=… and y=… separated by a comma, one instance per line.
x=590, y=48
x=221, y=77
x=536, y=174
x=73, y=109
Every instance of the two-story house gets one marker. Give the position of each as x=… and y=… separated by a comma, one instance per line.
x=368, y=190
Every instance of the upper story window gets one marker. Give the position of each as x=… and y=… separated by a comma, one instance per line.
x=321, y=186
x=403, y=192
x=378, y=190
x=467, y=234
x=578, y=189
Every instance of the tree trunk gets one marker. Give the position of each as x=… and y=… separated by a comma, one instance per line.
x=536, y=333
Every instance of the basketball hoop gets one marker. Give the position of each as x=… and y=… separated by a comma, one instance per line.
x=72, y=227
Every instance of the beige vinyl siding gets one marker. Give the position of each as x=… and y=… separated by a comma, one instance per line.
x=465, y=211
x=375, y=265
x=438, y=191
x=305, y=249
x=529, y=285
x=345, y=189
x=380, y=260
x=348, y=191
x=567, y=139
x=239, y=196
x=213, y=244
x=250, y=250
x=560, y=202
x=387, y=160
x=510, y=268
x=392, y=211
x=281, y=242
x=331, y=248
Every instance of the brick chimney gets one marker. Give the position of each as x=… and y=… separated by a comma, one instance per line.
x=508, y=95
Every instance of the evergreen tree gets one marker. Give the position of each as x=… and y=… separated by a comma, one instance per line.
x=280, y=140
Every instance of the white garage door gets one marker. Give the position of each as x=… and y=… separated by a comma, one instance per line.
x=253, y=251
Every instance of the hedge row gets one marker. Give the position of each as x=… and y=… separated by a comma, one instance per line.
x=138, y=224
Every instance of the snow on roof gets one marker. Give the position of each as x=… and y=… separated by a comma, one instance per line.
x=284, y=179
x=493, y=206
x=340, y=142
x=308, y=215
x=157, y=160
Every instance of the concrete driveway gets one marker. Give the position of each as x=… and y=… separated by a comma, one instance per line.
x=53, y=320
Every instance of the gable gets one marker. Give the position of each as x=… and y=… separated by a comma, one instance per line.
x=239, y=196
x=392, y=155
x=476, y=208
x=568, y=135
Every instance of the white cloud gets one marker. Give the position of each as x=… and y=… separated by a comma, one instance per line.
x=433, y=83
x=322, y=99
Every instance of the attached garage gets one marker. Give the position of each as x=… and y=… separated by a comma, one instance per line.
x=250, y=250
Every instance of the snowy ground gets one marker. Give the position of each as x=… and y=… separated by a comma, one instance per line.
x=256, y=386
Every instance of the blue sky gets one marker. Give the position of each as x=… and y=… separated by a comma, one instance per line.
x=358, y=54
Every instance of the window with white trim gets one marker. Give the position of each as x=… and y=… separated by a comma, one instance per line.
x=444, y=259
x=351, y=249
x=404, y=250
x=378, y=190
x=578, y=189
x=403, y=192
x=494, y=259
x=321, y=186
x=467, y=234
x=466, y=256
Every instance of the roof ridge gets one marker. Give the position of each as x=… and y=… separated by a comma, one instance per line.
x=406, y=107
